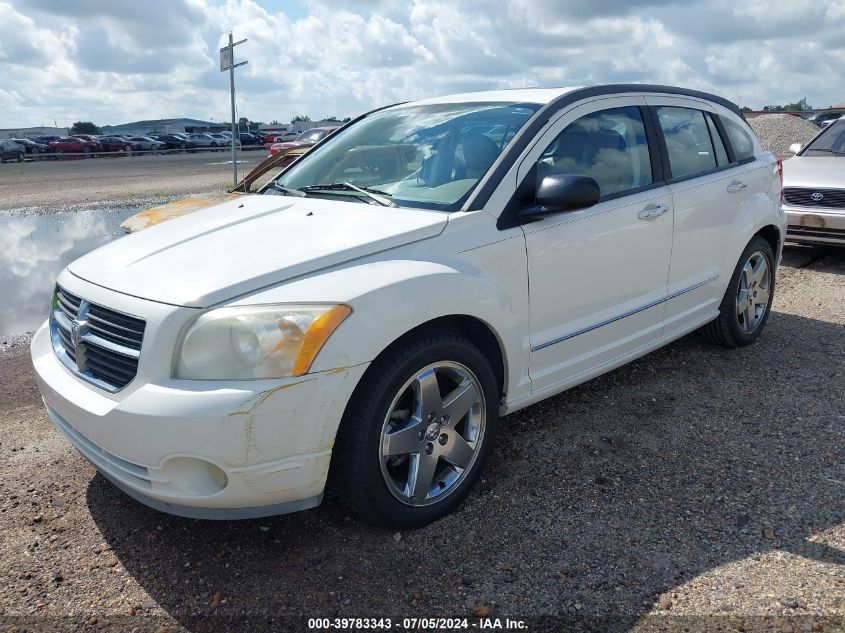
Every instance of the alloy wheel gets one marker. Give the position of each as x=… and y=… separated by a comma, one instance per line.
x=752, y=297
x=432, y=433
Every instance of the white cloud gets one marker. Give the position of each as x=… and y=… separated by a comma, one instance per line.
x=112, y=62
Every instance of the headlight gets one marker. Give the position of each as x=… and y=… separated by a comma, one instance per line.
x=256, y=341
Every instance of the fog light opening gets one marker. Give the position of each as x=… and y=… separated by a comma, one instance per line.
x=195, y=476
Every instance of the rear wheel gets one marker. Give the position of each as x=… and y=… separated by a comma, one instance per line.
x=20, y=157
x=748, y=299
x=417, y=432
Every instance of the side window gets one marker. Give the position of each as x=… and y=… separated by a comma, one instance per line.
x=739, y=138
x=609, y=146
x=687, y=141
x=721, y=153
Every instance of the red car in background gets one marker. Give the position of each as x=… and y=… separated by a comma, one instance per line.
x=306, y=139
x=74, y=145
x=87, y=137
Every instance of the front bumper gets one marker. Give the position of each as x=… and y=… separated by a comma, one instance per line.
x=815, y=225
x=204, y=449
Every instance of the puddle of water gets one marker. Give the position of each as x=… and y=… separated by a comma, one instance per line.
x=33, y=251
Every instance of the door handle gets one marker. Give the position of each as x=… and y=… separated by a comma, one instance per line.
x=652, y=211
x=736, y=185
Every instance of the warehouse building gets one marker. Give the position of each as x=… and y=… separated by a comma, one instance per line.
x=32, y=132
x=162, y=126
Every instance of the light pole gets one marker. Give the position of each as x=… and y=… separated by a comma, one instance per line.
x=227, y=62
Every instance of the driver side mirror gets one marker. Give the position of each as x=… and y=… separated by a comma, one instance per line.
x=795, y=148
x=557, y=193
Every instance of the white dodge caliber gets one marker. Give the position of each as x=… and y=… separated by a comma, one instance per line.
x=371, y=313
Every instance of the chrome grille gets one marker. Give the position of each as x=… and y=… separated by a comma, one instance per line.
x=109, y=342
x=808, y=197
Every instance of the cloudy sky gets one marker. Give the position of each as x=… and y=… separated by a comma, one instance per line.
x=113, y=61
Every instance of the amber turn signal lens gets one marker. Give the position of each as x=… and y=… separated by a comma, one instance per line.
x=319, y=332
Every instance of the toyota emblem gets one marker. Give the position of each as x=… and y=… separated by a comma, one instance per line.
x=817, y=197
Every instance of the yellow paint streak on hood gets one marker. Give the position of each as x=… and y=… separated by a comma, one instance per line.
x=165, y=212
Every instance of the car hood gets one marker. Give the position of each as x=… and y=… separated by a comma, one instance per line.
x=240, y=246
x=823, y=172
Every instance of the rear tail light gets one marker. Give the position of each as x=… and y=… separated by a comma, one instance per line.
x=780, y=174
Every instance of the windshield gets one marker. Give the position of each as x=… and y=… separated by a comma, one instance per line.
x=425, y=156
x=311, y=135
x=830, y=141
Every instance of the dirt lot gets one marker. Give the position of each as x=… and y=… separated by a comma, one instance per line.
x=695, y=489
x=72, y=182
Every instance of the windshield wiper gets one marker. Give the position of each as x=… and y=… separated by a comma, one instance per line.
x=288, y=191
x=379, y=196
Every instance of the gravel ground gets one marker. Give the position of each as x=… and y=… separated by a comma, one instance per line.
x=694, y=489
x=778, y=131
x=54, y=185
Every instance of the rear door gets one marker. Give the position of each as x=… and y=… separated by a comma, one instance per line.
x=709, y=187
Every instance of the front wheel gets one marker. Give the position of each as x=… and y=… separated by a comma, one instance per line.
x=748, y=300
x=417, y=432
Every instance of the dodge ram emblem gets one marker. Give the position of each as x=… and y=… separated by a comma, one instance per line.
x=75, y=334
x=817, y=197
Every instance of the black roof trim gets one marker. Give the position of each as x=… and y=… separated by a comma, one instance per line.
x=500, y=167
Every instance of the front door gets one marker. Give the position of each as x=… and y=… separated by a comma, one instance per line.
x=597, y=276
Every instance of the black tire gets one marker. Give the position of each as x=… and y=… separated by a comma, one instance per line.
x=726, y=330
x=356, y=472
x=20, y=157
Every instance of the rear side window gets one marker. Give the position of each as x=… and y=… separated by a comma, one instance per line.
x=609, y=146
x=740, y=139
x=718, y=144
x=687, y=141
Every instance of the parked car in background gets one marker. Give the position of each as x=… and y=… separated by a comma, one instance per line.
x=305, y=139
x=46, y=140
x=250, y=141
x=173, y=141
x=94, y=140
x=9, y=150
x=279, y=137
x=814, y=188
x=205, y=141
x=147, y=144
x=35, y=150
x=119, y=144
x=74, y=145
x=821, y=118
x=222, y=139
x=382, y=320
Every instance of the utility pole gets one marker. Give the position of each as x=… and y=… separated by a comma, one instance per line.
x=227, y=62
